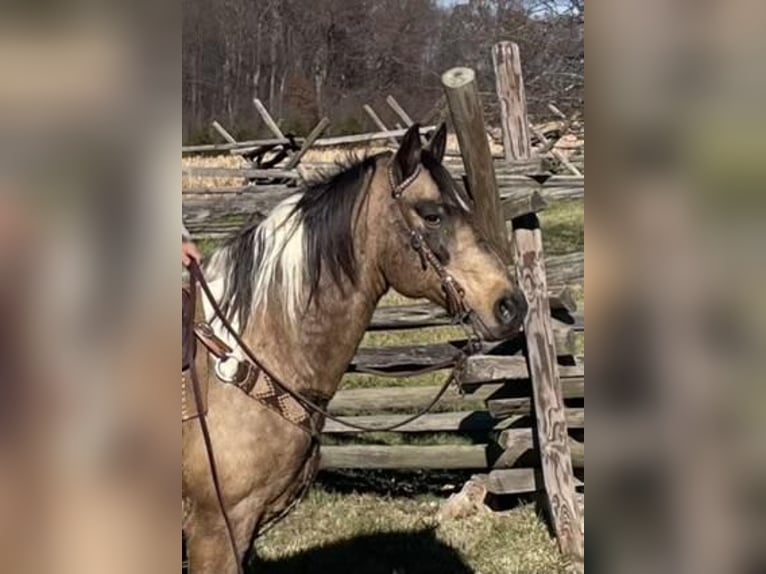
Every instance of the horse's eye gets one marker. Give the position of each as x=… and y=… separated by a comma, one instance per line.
x=433, y=219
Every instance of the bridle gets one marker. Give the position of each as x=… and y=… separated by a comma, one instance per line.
x=454, y=294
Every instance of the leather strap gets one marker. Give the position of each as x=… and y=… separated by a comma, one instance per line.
x=206, y=432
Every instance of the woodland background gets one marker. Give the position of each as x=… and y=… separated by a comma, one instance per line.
x=309, y=58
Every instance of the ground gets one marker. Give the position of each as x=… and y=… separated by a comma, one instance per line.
x=374, y=534
x=385, y=522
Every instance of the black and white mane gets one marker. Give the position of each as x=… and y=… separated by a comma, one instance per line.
x=310, y=233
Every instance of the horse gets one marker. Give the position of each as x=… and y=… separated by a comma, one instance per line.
x=300, y=288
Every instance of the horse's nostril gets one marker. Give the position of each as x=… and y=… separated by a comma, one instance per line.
x=510, y=308
x=505, y=311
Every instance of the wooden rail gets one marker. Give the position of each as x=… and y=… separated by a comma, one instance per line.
x=376, y=399
x=435, y=457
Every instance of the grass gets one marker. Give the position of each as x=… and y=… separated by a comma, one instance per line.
x=377, y=522
x=373, y=534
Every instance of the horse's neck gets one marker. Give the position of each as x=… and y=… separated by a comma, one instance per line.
x=312, y=356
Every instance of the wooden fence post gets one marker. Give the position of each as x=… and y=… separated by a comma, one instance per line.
x=308, y=142
x=267, y=119
x=513, y=101
x=224, y=134
x=378, y=122
x=465, y=108
x=555, y=455
x=399, y=110
x=229, y=139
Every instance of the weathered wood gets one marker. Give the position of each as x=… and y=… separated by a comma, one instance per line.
x=465, y=108
x=227, y=147
x=552, y=435
x=374, y=399
x=565, y=270
x=521, y=406
x=502, y=166
x=477, y=367
x=516, y=481
x=233, y=172
x=353, y=139
x=313, y=136
x=557, y=154
x=523, y=204
x=404, y=457
x=480, y=368
x=224, y=134
x=555, y=454
x=267, y=119
x=421, y=457
x=509, y=192
x=429, y=315
x=378, y=122
x=460, y=421
x=520, y=441
x=399, y=110
x=564, y=299
x=509, y=83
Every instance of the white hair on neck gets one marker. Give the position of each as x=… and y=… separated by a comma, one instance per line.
x=281, y=250
x=279, y=261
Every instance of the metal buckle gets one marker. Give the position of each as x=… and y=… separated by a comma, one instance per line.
x=227, y=377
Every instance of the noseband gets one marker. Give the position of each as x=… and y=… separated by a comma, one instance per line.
x=453, y=292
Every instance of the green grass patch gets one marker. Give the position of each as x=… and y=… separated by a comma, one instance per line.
x=563, y=226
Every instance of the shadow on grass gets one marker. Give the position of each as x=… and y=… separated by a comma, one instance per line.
x=410, y=552
x=393, y=483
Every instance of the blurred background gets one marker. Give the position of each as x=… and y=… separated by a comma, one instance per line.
x=89, y=223
x=675, y=276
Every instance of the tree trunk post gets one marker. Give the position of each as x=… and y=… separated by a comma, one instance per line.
x=513, y=101
x=465, y=107
x=555, y=455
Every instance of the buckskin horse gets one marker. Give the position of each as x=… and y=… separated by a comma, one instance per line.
x=299, y=290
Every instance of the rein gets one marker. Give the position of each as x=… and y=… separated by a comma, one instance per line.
x=204, y=428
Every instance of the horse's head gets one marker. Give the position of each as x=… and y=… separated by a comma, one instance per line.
x=439, y=211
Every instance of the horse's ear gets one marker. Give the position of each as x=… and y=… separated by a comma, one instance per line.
x=407, y=156
x=437, y=145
